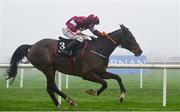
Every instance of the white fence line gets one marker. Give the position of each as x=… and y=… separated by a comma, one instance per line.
x=143, y=66
x=131, y=66
x=146, y=66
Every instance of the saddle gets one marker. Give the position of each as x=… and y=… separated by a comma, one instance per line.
x=63, y=42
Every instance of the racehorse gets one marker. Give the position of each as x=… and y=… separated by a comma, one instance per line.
x=89, y=62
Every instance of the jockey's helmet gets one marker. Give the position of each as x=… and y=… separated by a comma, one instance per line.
x=93, y=19
x=96, y=20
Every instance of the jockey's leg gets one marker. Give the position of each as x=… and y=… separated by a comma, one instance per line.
x=70, y=46
x=76, y=39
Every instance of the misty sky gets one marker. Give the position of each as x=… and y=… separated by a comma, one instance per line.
x=154, y=23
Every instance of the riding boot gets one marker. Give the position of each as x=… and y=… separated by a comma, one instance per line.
x=70, y=46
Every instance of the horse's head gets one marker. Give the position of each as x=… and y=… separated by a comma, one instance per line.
x=129, y=42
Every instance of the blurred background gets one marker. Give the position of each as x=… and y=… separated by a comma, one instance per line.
x=154, y=23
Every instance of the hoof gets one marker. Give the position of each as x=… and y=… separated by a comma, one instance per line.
x=71, y=101
x=92, y=92
x=121, y=100
x=122, y=97
x=58, y=106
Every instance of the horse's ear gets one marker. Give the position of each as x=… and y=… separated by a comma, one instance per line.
x=123, y=27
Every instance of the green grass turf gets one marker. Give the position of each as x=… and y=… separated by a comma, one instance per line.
x=33, y=96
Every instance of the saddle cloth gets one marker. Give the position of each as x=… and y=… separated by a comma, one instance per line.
x=63, y=42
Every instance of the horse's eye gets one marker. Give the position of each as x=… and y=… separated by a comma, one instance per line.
x=131, y=37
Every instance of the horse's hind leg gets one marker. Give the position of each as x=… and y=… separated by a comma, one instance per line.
x=49, y=73
x=51, y=88
x=108, y=75
x=51, y=93
x=68, y=99
x=95, y=78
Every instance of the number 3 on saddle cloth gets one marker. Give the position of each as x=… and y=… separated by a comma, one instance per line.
x=62, y=43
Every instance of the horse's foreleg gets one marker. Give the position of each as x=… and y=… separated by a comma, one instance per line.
x=108, y=75
x=95, y=78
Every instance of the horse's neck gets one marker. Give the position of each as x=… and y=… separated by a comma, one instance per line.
x=115, y=35
x=106, y=46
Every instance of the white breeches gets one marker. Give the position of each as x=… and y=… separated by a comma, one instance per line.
x=72, y=35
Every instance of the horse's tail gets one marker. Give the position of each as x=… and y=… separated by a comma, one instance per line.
x=17, y=56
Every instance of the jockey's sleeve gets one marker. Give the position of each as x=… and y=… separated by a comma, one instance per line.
x=71, y=24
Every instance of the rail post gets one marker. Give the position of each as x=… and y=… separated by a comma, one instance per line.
x=164, y=86
x=21, y=77
x=7, y=83
x=59, y=84
x=141, y=78
x=67, y=81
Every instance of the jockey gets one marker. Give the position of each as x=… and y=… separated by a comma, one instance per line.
x=73, y=29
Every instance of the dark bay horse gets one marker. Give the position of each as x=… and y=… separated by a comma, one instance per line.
x=91, y=66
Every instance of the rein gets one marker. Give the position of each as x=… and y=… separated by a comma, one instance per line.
x=107, y=36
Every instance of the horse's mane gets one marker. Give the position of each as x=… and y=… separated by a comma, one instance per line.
x=114, y=32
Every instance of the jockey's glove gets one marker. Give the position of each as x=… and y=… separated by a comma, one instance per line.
x=103, y=34
x=78, y=32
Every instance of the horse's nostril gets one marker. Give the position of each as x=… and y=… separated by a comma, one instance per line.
x=141, y=52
